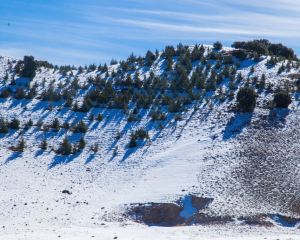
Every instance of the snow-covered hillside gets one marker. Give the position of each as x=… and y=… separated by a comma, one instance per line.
x=205, y=149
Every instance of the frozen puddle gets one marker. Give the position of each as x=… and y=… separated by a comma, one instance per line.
x=188, y=209
x=285, y=221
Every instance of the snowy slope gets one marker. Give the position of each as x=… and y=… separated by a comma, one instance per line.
x=192, y=156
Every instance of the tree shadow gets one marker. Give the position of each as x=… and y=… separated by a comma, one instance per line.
x=277, y=117
x=236, y=125
x=39, y=153
x=60, y=159
x=13, y=157
x=129, y=152
x=90, y=159
x=111, y=115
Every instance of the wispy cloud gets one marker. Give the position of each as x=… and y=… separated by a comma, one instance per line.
x=85, y=31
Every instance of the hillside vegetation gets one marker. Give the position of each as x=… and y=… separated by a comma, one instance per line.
x=156, y=89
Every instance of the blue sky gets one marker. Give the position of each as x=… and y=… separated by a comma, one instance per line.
x=90, y=31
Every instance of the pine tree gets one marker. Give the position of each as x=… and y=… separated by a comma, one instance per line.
x=298, y=85
x=29, y=123
x=91, y=117
x=75, y=107
x=65, y=147
x=246, y=99
x=169, y=63
x=3, y=126
x=282, y=99
x=218, y=46
x=66, y=125
x=55, y=125
x=5, y=93
x=29, y=67
x=21, y=145
x=262, y=83
x=80, y=127
x=95, y=148
x=99, y=117
x=20, y=93
x=69, y=102
x=44, y=145
x=149, y=59
x=132, y=142
x=86, y=105
x=14, y=124
x=81, y=144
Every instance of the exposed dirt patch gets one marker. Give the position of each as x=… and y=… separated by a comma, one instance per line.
x=200, y=202
x=206, y=219
x=257, y=220
x=170, y=214
x=158, y=214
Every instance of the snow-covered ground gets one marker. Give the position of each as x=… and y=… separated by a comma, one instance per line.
x=191, y=156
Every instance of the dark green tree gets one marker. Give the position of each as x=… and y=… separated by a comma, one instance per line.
x=55, y=125
x=65, y=147
x=81, y=144
x=44, y=145
x=282, y=99
x=20, y=146
x=14, y=124
x=29, y=67
x=3, y=126
x=20, y=93
x=149, y=59
x=80, y=127
x=218, y=46
x=246, y=98
x=132, y=142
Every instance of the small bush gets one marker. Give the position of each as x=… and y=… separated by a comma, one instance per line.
x=3, y=126
x=174, y=106
x=99, y=117
x=139, y=134
x=91, y=117
x=81, y=144
x=29, y=124
x=65, y=147
x=246, y=99
x=177, y=117
x=218, y=46
x=65, y=125
x=298, y=85
x=80, y=127
x=158, y=116
x=282, y=99
x=44, y=145
x=20, y=146
x=133, y=118
x=5, y=93
x=14, y=124
x=55, y=125
x=95, y=148
x=20, y=93
x=132, y=142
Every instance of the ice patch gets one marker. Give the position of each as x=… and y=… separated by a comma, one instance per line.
x=188, y=209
